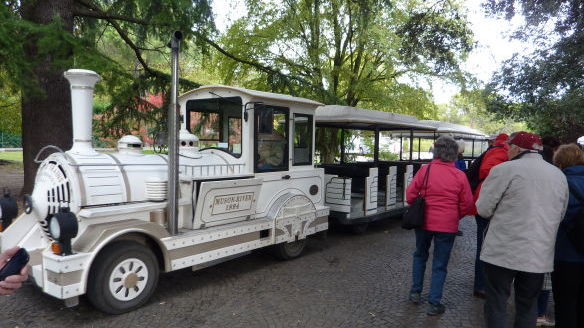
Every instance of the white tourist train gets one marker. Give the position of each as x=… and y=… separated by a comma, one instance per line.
x=97, y=224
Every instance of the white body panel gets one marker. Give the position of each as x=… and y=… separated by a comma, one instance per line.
x=338, y=193
x=370, y=205
x=408, y=177
x=391, y=187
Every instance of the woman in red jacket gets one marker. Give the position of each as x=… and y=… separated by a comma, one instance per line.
x=448, y=199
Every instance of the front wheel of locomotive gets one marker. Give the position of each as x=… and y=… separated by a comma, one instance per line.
x=123, y=277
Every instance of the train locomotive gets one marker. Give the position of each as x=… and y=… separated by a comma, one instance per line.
x=98, y=223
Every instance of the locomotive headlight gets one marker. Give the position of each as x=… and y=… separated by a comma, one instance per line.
x=63, y=227
x=55, y=228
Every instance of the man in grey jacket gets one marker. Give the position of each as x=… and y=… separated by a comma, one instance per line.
x=525, y=199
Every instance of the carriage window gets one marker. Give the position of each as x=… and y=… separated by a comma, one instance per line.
x=405, y=155
x=302, y=139
x=271, y=137
x=206, y=126
x=359, y=145
x=217, y=123
x=389, y=144
x=468, y=148
x=422, y=148
x=328, y=145
x=234, y=135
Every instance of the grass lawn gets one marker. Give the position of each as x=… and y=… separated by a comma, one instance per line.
x=11, y=156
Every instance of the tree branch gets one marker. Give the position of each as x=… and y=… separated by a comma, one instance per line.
x=96, y=12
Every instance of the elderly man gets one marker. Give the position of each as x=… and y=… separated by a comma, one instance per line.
x=525, y=199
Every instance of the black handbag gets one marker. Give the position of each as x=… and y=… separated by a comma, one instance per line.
x=414, y=216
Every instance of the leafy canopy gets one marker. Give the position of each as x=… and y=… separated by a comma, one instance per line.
x=124, y=41
x=368, y=53
x=544, y=87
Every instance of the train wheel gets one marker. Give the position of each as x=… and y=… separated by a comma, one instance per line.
x=287, y=251
x=359, y=228
x=123, y=277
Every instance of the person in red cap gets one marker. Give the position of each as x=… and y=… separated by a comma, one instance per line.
x=495, y=155
x=525, y=200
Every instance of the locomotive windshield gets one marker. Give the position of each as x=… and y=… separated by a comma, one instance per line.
x=217, y=123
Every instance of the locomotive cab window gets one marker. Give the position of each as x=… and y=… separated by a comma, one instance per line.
x=302, y=139
x=271, y=138
x=217, y=122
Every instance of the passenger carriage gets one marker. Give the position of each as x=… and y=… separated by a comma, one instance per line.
x=368, y=158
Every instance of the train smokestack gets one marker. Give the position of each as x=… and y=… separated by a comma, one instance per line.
x=82, y=83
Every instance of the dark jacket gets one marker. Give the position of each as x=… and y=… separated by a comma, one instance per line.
x=565, y=251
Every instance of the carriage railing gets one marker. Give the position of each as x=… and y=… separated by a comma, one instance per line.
x=211, y=170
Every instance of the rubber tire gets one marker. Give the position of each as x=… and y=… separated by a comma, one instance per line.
x=288, y=251
x=98, y=285
x=359, y=228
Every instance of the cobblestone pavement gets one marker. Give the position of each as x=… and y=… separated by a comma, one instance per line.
x=344, y=281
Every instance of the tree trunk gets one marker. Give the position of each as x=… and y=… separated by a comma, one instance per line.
x=46, y=109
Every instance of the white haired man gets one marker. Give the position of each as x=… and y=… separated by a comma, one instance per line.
x=525, y=200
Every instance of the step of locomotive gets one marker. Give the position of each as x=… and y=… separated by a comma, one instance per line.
x=189, y=237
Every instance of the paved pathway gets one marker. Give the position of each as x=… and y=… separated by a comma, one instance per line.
x=11, y=178
x=344, y=281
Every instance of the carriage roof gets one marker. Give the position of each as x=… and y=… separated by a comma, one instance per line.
x=456, y=129
x=254, y=94
x=360, y=118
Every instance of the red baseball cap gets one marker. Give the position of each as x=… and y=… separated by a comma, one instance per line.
x=527, y=140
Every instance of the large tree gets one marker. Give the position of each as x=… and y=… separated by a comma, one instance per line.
x=544, y=87
x=40, y=39
x=369, y=53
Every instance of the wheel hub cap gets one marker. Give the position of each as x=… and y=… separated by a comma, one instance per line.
x=128, y=279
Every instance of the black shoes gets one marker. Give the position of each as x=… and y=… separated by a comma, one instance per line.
x=436, y=309
x=416, y=298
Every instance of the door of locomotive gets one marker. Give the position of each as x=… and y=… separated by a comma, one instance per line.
x=283, y=154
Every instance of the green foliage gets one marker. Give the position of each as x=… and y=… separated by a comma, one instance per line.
x=470, y=108
x=9, y=140
x=545, y=87
x=124, y=41
x=10, y=116
x=356, y=53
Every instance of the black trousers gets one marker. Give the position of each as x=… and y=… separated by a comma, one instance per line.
x=568, y=289
x=498, y=282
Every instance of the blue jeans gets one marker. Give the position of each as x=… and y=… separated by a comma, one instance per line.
x=479, y=277
x=443, y=242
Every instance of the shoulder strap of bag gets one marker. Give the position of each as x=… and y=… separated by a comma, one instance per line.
x=425, y=184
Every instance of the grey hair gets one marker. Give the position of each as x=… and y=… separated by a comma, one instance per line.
x=446, y=149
